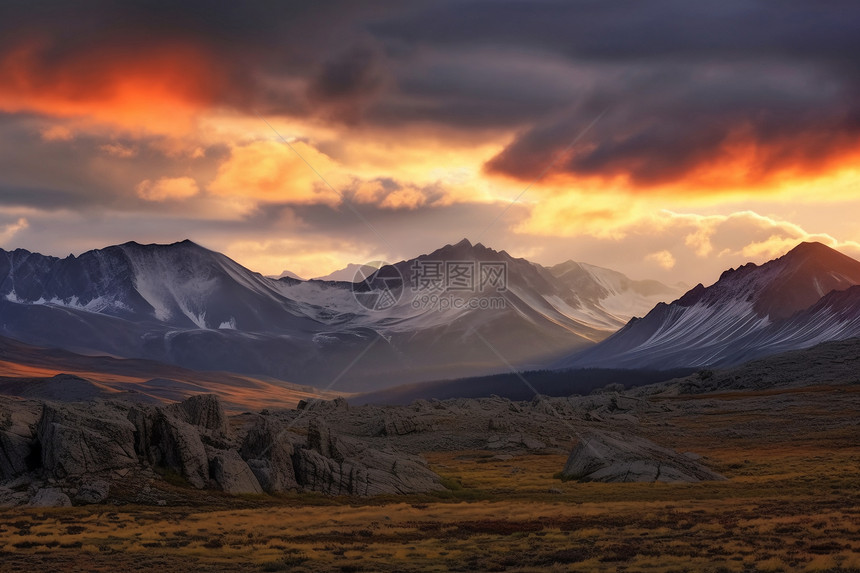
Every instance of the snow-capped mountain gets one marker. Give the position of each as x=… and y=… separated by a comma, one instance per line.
x=183, y=286
x=346, y=274
x=792, y=302
x=534, y=318
x=287, y=274
x=189, y=306
x=612, y=291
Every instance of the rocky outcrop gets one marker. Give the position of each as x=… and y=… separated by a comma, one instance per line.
x=203, y=411
x=344, y=466
x=268, y=450
x=398, y=423
x=613, y=457
x=53, y=454
x=169, y=443
x=50, y=497
x=18, y=447
x=231, y=473
x=75, y=442
x=192, y=439
x=321, y=440
x=92, y=491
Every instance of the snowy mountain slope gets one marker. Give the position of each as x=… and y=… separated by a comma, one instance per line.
x=346, y=274
x=749, y=312
x=836, y=316
x=534, y=319
x=612, y=291
x=286, y=273
x=181, y=285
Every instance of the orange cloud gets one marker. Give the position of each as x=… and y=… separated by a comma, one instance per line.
x=167, y=189
x=663, y=258
x=744, y=166
x=156, y=90
x=269, y=171
x=577, y=213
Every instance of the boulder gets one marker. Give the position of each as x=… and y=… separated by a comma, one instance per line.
x=92, y=491
x=202, y=410
x=231, y=473
x=321, y=439
x=50, y=497
x=345, y=466
x=15, y=452
x=76, y=441
x=613, y=457
x=18, y=447
x=170, y=443
x=268, y=451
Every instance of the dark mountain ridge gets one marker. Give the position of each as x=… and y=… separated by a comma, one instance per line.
x=795, y=301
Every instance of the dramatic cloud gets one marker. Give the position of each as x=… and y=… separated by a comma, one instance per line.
x=158, y=88
x=428, y=118
x=270, y=171
x=744, y=233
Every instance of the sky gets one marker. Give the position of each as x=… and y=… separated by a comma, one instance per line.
x=665, y=139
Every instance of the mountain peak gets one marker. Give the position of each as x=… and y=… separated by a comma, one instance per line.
x=815, y=251
x=810, y=247
x=183, y=243
x=465, y=243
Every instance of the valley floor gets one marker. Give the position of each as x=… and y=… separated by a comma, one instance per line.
x=792, y=502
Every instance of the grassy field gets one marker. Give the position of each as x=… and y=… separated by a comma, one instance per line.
x=789, y=504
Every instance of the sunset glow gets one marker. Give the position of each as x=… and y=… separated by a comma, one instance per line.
x=401, y=142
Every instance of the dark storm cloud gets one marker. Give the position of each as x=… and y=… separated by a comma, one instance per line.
x=679, y=119
x=248, y=43
x=680, y=79
x=354, y=73
x=627, y=30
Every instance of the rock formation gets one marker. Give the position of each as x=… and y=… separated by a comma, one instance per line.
x=613, y=457
x=76, y=442
x=346, y=466
x=56, y=454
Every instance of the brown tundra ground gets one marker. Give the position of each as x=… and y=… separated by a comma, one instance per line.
x=791, y=503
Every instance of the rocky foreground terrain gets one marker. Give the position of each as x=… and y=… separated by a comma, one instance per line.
x=748, y=469
x=85, y=452
x=55, y=454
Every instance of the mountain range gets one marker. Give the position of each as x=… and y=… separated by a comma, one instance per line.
x=185, y=305
x=809, y=295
